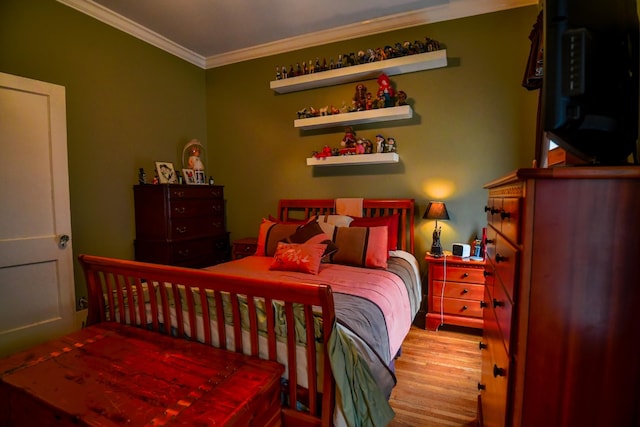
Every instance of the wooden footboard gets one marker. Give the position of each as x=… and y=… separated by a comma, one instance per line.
x=190, y=303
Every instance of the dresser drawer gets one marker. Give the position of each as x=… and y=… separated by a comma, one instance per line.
x=503, y=308
x=505, y=263
x=457, y=306
x=187, y=208
x=465, y=291
x=495, y=371
x=182, y=251
x=187, y=228
x=195, y=192
x=457, y=273
x=510, y=218
x=492, y=209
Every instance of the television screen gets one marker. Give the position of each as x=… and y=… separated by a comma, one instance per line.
x=590, y=84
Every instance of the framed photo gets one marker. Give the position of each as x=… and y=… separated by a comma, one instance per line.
x=166, y=173
x=201, y=177
x=189, y=176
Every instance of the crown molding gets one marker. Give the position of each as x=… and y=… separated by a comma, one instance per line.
x=452, y=9
x=134, y=29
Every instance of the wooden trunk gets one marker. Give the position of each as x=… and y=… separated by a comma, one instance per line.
x=113, y=375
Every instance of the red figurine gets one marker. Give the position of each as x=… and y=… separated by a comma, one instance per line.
x=386, y=90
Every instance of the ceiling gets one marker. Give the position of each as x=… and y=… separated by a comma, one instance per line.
x=211, y=33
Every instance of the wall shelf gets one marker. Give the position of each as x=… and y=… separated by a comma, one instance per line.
x=358, y=117
x=391, y=67
x=356, y=159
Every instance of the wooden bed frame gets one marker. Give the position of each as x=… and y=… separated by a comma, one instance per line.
x=112, y=283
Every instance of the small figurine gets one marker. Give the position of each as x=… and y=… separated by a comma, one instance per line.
x=278, y=75
x=380, y=143
x=391, y=146
x=349, y=139
x=142, y=177
x=368, y=146
x=326, y=152
x=386, y=90
x=284, y=72
x=360, y=97
x=360, y=147
x=402, y=97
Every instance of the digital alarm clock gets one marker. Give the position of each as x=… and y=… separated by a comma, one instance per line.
x=461, y=249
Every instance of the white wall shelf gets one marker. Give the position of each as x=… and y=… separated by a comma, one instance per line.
x=356, y=159
x=391, y=67
x=358, y=117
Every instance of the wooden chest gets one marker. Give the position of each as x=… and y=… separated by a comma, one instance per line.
x=114, y=375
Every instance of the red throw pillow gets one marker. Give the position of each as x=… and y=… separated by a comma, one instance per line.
x=304, y=258
x=391, y=221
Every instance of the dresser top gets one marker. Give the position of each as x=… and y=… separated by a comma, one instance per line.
x=569, y=172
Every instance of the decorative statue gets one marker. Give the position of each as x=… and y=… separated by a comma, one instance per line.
x=380, y=143
x=402, y=97
x=360, y=97
x=391, y=146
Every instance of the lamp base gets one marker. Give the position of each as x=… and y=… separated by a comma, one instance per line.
x=436, y=251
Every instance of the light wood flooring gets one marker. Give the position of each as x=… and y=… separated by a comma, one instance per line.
x=437, y=375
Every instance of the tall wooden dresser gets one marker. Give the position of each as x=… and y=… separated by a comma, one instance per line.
x=181, y=225
x=560, y=341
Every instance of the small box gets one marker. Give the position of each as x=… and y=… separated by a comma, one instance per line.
x=461, y=249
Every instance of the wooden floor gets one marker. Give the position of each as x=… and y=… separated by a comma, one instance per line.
x=438, y=373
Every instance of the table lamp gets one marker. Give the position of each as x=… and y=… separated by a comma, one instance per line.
x=437, y=211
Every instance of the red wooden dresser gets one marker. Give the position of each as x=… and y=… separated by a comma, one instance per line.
x=114, y=375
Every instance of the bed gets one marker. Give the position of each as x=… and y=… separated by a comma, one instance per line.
x=338, y=371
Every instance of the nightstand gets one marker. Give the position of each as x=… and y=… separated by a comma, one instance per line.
x=244, y=247
x=455, y=291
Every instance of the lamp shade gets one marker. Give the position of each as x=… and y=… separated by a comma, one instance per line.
x=436, y=210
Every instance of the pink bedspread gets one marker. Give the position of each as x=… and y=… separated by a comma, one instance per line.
x=382, y=287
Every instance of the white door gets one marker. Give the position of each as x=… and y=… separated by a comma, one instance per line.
x=37, y=301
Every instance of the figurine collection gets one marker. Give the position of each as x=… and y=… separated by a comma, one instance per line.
x=361, y=57
x=385, y=96
x=351, y=145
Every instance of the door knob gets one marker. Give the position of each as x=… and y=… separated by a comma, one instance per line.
x=63, y=240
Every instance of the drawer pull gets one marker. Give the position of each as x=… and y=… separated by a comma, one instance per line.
x=482, y=345
x=494, y=211
x=180, y=209
x=183, y=252
x=505, y=215
x=465, y=307
x=486, y=273
x=497, y=303
x=500, y=258
x=465, y=291
x=497, y=372
x=181, y=229
x=489, y=241
x=465, y=275
x=481, y=387
x=487, y=208
x=483, y=304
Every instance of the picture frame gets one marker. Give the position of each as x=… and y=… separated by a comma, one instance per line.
x=166, y=173
x=189, y=176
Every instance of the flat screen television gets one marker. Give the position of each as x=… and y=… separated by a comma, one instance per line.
x=590, y=83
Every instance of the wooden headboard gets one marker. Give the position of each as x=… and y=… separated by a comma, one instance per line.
x=306, y=208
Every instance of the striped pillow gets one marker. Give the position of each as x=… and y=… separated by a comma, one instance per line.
x=361, y=246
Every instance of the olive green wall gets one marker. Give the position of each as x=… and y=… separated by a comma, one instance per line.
x=128, y=104
x=473, y=122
